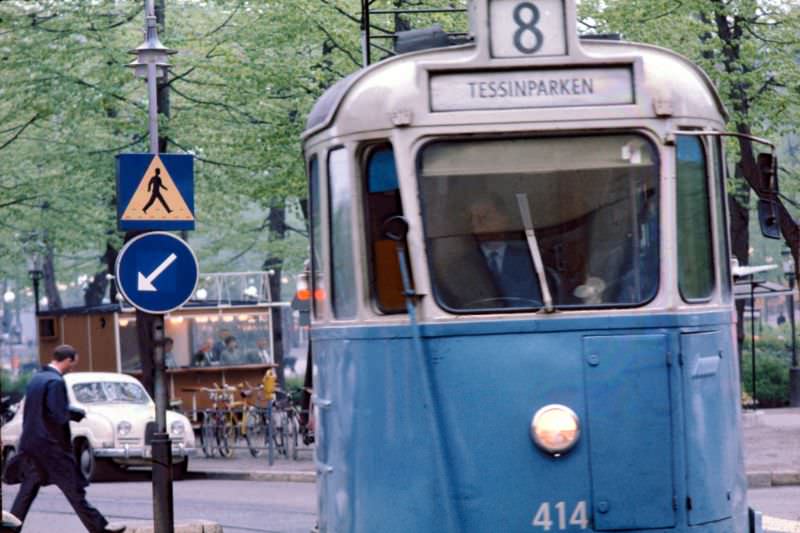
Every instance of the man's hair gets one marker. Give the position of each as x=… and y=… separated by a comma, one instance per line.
x=65, y=351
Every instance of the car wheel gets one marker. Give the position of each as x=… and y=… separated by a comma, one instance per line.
x=84, y=454
x=179, y=470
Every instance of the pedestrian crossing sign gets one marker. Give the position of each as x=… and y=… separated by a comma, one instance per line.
x=155, y=192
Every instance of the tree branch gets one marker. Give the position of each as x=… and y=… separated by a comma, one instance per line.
x=20, y=130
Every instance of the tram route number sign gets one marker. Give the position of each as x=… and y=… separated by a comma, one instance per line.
x=524, y=28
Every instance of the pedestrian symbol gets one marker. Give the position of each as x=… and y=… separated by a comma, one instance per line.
x=154, y=187
x=157, y=197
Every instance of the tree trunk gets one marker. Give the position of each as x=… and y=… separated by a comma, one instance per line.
x=97, y=287
x=49, y=277
x=277, y=228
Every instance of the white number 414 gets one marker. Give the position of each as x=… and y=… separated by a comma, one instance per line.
x=544, y=518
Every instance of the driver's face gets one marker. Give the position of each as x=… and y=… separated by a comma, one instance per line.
x=486, y=218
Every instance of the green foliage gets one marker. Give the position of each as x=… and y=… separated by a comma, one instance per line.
x=14, y=386
x=772, y=379
x=773, y=359
x=747, y=47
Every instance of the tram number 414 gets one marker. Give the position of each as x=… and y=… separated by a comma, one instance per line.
x=557, y=518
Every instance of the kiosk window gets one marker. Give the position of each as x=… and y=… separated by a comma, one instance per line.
x=343, y=276
x=722, y=226
x=695, y=252
x=383, y=202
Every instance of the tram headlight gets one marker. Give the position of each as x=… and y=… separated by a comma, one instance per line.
x=555, y=429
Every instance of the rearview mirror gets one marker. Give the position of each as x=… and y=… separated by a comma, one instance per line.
x=768, y=219
x=768, y=167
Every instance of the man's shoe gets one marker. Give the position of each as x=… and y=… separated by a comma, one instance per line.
x=114, y=529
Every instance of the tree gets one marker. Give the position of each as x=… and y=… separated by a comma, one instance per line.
x=750, y=50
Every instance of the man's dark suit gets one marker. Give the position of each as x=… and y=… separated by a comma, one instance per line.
x=46, y=449
x=468, y=282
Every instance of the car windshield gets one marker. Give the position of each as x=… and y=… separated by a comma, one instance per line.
x=110, y=392
x=584, y=208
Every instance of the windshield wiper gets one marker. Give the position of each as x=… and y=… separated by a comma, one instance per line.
x=533, y=248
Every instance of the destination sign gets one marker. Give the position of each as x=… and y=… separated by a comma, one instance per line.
x=531, y=89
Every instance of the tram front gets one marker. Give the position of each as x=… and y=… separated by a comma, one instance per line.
x=522, y=314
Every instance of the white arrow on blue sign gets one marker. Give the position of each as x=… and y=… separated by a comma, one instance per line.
x=157, y=272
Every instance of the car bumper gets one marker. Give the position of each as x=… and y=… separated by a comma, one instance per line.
x=136, y=452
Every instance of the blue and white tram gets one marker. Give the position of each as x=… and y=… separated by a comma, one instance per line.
x=522, y=315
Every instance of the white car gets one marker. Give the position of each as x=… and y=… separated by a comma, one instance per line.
x=119, y=424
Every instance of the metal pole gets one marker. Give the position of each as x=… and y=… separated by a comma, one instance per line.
x=161, y=446
x=791, y=315
x=794, y=371
x=753, y=338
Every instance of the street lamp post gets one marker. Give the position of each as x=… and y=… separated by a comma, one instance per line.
x=151, y=63
x=36, y=277
x=794, y=371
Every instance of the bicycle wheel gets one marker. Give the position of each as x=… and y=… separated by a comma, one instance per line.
x=226, y=436
x=254, y=427
x=277, y=431
x=207, y=435
x=291, y=436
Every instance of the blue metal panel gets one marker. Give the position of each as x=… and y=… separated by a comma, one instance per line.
x=630, y=431
x=709, y=396
x=379, y=467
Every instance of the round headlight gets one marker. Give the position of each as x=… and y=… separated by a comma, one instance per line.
x=123, y=428
x=176, y=428
x=555, y=428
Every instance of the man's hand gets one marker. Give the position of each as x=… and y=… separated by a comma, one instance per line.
x=76, y=414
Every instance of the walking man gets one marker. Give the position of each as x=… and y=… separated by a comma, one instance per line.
x=154, y=187
x=45, y=447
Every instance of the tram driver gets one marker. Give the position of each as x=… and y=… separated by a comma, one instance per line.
x=495, y=268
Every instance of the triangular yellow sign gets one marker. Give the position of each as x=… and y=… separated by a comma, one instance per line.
x=157, y=197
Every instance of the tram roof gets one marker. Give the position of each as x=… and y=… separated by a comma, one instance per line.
x=665, y=72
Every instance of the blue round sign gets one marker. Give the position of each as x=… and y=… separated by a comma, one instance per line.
x=157, y=272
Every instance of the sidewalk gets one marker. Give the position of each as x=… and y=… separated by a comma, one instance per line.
x=771, y=442
x=772, y=447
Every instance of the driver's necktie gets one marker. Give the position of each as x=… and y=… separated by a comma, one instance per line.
x=494, y=263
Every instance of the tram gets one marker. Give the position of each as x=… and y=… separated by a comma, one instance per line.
x=522, y=316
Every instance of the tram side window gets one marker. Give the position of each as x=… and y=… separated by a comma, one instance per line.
x=343, y=278
x=317, y=289
x=695, y=251
x=383, y=202
x=723, y=244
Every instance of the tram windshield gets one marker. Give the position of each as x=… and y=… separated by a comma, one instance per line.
x=587, y=205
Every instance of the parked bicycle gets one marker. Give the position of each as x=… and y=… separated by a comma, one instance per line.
x=220, y=423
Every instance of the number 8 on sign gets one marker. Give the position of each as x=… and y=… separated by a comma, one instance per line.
x=527, y=32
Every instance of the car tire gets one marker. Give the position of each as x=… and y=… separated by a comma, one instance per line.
x=84, y=455
x=179, y=470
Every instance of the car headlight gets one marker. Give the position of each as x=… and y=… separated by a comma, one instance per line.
x=555, y=428
x=124, y=428
x=176, y=428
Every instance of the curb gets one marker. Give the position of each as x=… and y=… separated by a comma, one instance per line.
x=761, y=480
x=755, y=480
x=257, y=475
x=193, y=526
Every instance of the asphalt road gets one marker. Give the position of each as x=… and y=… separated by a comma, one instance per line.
x=240, y=506
x=254, y=506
